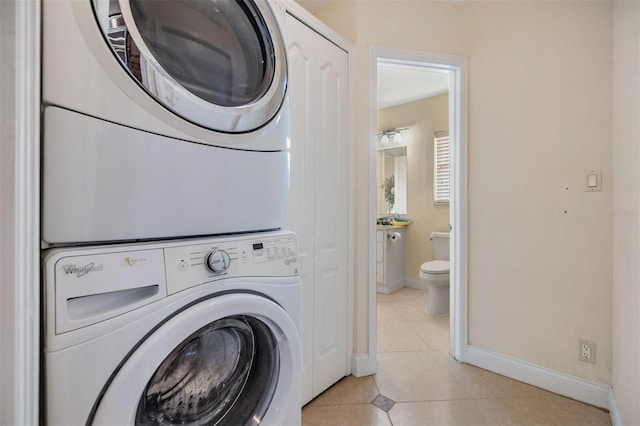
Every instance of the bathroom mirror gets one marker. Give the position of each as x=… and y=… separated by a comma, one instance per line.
x=391, y=175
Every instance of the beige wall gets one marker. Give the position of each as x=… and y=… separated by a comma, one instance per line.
x=626, y=211
x=423, y=118
x=540, y=266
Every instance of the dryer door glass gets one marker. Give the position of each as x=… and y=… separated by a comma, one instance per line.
x=202, y=57
x=219, y=51
x=223, y=374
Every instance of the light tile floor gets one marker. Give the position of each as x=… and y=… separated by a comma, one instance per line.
x=430, y=388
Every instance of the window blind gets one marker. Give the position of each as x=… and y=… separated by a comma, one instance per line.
x=441, y=167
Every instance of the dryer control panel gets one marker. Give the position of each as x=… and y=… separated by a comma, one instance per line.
x=267, y=256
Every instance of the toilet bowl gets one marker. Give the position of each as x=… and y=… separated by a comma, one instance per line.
x=435, y=274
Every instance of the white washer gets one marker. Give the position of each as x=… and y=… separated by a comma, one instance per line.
x=186, y=332
x=161, y=118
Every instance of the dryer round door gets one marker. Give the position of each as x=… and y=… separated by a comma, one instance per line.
x=218, y=64
x=233, y=359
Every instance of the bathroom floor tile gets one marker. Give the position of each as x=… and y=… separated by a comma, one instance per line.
x=400, y=338
x=435, y=333
x=409, y=311
x=387, y=315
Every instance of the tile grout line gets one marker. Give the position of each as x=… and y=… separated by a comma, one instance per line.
x=375, y=383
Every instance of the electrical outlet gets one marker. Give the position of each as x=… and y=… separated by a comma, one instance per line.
x=587, y=351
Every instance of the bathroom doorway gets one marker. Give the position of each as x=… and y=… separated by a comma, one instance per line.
x=437, y=82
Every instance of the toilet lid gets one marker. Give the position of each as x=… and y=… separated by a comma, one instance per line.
x=435, y=267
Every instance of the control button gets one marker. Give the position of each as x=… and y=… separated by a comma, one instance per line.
x=182, y=266
x=218, y=261
x=244, y=256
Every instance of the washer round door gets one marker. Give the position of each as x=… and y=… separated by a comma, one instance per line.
x=218, y=64
x=234, y=359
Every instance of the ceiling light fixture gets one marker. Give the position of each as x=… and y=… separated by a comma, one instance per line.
x=391, y=135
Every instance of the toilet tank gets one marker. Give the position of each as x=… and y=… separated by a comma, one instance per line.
x=440, y=243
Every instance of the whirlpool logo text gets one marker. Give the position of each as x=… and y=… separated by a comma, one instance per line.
x=80, y=271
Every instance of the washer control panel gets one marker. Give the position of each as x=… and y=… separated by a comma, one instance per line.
x=270, y=255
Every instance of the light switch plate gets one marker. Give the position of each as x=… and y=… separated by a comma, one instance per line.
x=589, y=176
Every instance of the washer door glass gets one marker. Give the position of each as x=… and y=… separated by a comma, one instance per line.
x=223, y=374
x=209, y=61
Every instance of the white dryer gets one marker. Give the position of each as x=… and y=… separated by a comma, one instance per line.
x=187, y=332
x=163, y=119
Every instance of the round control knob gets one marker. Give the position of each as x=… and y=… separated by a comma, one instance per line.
x=218, y=261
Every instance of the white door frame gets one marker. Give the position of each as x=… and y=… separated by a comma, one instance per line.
x=20, y=202
x=457, y=66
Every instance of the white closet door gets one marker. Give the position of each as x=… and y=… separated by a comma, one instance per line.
x=331, y=213
x=301, y=197
x=318, y=78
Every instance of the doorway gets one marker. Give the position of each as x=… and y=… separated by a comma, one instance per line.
x=455, y=68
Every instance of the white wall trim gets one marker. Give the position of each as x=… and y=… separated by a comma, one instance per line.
x=542, y=377
x=391, y=288
x=362, y=365
x=371, y=297
x=352, y=200
x=458, y=213
x=27, y=212
x=616, y=419
x=419, y=284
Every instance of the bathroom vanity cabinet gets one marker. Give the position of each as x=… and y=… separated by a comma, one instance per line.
x=390, y=244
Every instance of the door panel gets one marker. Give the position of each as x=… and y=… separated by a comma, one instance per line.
x=331, y=148
x=300, y=198
x=318, y=209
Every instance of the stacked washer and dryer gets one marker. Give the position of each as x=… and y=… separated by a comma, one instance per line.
x=171, y=294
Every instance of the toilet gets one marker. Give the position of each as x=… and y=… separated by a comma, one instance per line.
x=435, y=274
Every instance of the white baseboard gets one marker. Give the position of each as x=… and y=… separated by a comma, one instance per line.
x=363, y=365
x=391, y=288
x=564, y=384
x=616, y=420
x=419, y=284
